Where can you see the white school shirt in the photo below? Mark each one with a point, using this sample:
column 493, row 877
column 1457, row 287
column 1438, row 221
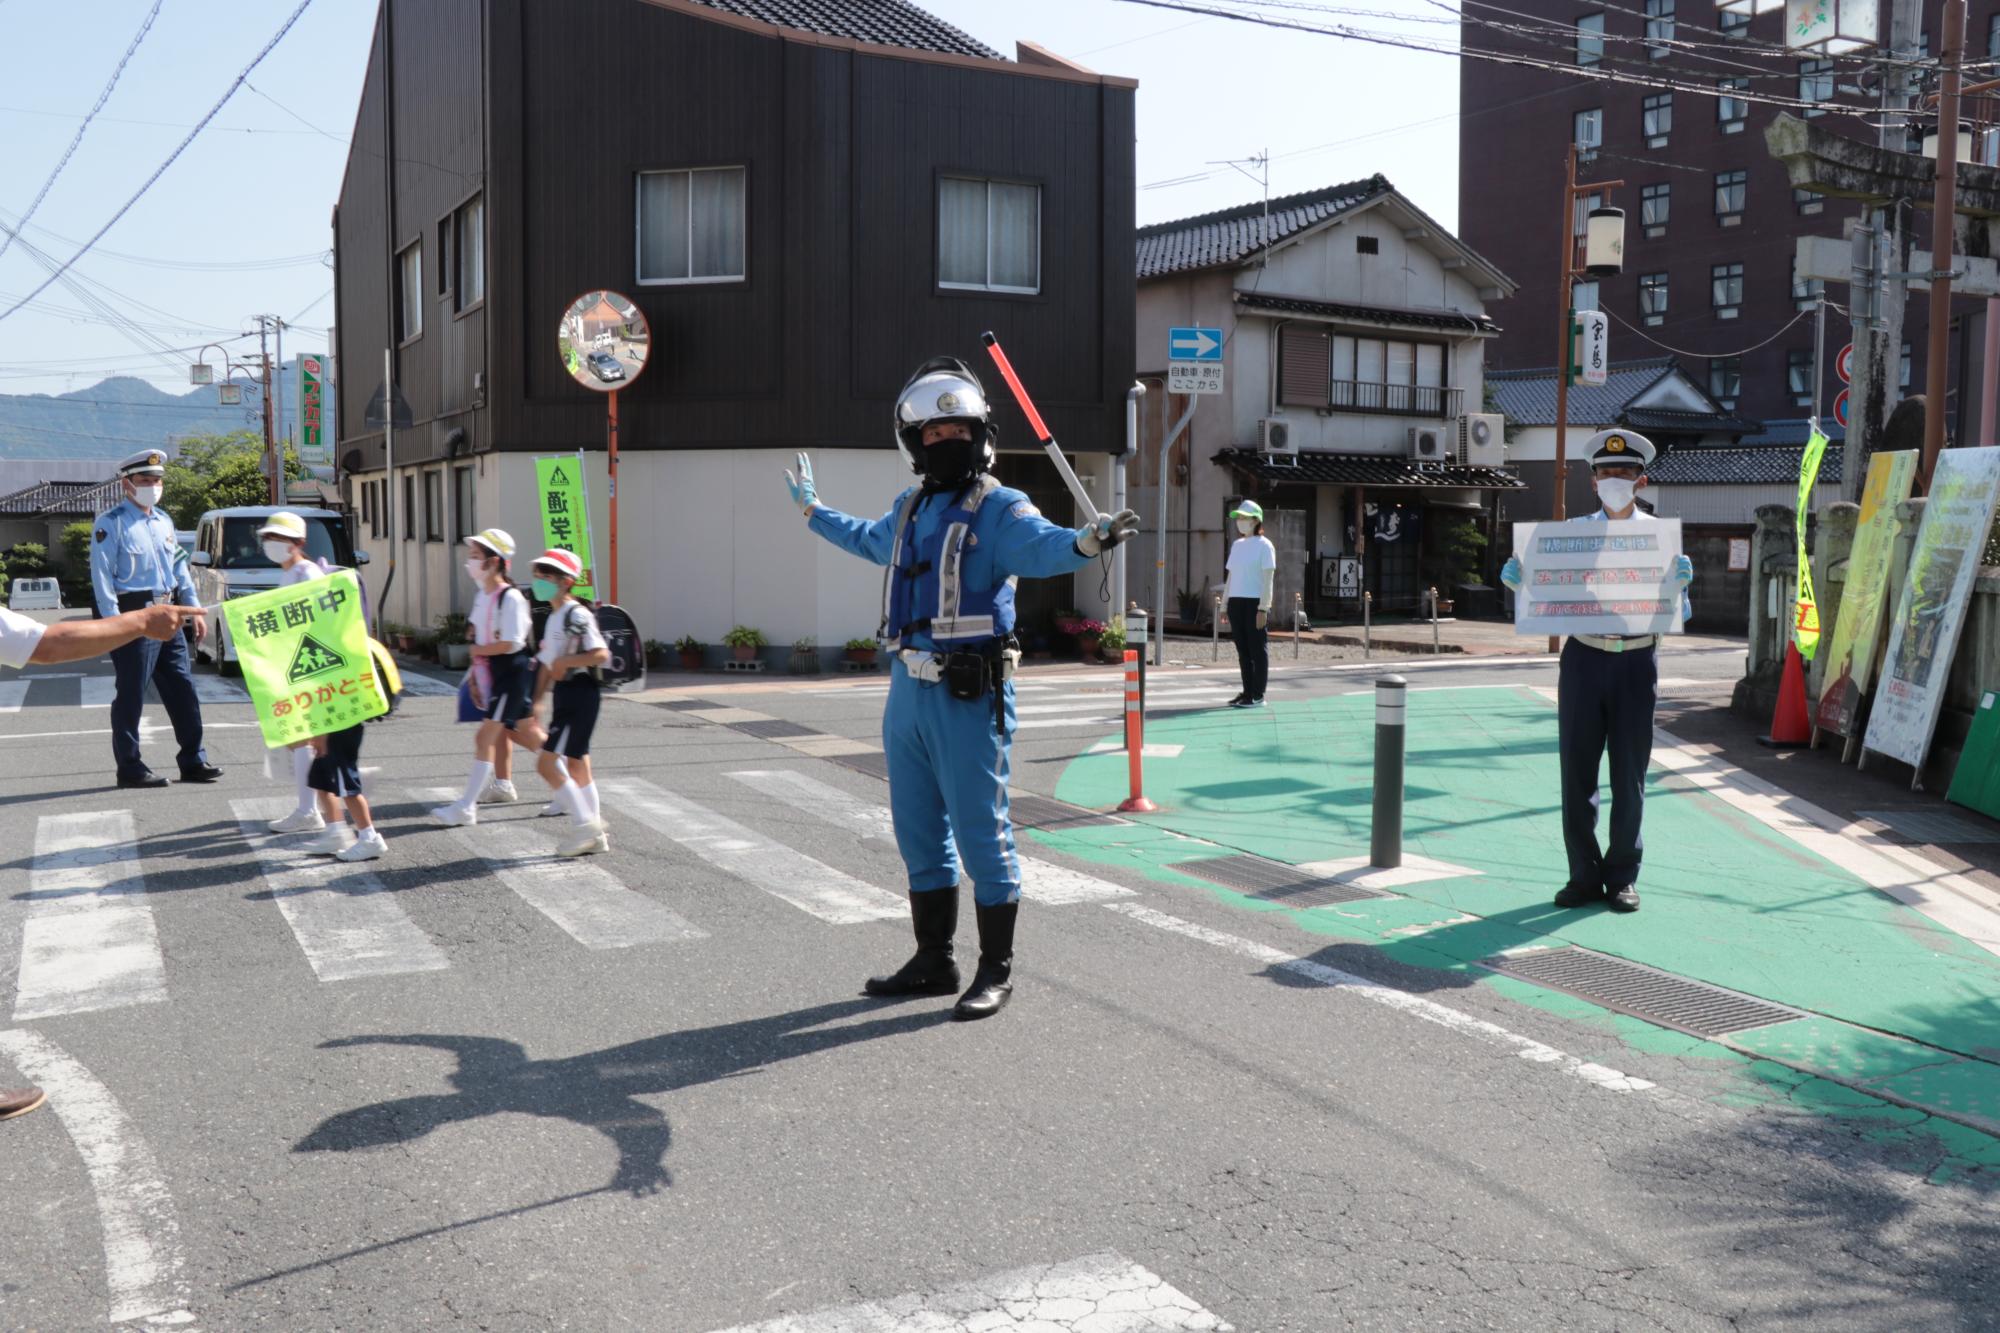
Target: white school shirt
column 306, row 568
column 509, row 622
column 1248, row 559
column 18, row 637
column 574, row 620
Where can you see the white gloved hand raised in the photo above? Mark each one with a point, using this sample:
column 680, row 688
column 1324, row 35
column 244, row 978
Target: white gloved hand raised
column 1107, row 532
column 801, row 486
column 1510, row 574
column 1683, row 570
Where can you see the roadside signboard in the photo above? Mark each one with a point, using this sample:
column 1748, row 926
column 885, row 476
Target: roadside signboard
column 1843, row 364
column 1593, row 347
column 313, row 448
column 565, row 508
column 1930, row 610
column 1840, row 408
column 1850, row 664
column 305, row 657
column 1598, row 576
column 1194, row 360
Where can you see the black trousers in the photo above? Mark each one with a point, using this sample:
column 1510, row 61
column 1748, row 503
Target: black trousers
column 1604, row 703
column 167, row 666
column 1253, row 652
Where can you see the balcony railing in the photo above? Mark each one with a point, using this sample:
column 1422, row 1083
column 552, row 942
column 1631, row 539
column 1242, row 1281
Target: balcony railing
column 1397, row 400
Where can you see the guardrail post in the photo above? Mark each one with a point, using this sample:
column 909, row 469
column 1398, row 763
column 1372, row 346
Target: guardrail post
column 1136, row 624
column 1367, row 637
column 1135, row 740
column 1298, row 618
column 1385, row 833
column 1215, row 632
column 1434, row 622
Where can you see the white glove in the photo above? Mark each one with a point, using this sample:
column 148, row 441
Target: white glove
column 1107, row 532
column 1683, row 570
column 801, row 486
column 1510, row 574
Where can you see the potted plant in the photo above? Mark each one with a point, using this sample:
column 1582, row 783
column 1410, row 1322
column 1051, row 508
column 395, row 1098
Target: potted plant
column 1188, row 602
column 861, row 651
column 1089, row 636
column 1112, row 642
column 691, row 652
column 427, row 646
column 453, row 639
column 657, row 654
column 405, row 637
column 744, row 642
column 805, row 657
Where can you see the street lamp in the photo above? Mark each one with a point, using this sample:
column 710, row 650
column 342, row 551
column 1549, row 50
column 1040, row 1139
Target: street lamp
column 1833, row 27
column 1604, row 242
column 1750, row 7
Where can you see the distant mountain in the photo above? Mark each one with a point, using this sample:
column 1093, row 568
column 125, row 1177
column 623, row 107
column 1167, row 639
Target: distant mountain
column 85, row 431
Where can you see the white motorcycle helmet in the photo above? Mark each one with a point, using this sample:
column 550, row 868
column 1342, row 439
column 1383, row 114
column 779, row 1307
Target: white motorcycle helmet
column 943, row 389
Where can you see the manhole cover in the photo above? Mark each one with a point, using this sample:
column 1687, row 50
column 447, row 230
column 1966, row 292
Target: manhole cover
column 772, row 728
column 1643, row 992
column 1935, row 827
column 686, row 705
column 1275, row 881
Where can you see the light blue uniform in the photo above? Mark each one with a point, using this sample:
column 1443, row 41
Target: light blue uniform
column 132, row 551
column 948, row 759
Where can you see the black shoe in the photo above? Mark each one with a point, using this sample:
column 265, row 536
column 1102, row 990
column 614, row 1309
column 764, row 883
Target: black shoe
column 1579, row 895
column 201, row 773
column 930, row 971
column 145, row 777
column 993, row 984
column 1238, row 701
column 1624, row 899
column 1257, row 702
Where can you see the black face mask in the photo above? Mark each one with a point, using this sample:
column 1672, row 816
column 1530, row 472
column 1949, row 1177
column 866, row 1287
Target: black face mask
column 950, row 463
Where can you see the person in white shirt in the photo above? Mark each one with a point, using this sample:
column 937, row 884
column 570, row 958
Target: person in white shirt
column 283, row 538
column 503, row 670
column 572, row 650
column 1253, row 574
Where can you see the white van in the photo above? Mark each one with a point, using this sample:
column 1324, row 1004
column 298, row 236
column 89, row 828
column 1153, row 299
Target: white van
column 228, row 561
column 35, row 595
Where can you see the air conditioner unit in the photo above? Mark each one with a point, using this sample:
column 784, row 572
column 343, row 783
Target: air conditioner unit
column 1427, row 445
column 1482, row 439
column 1275, row 437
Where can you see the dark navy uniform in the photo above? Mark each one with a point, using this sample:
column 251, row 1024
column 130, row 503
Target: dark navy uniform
column 136, row 561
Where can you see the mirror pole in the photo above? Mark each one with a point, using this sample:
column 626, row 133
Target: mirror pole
column 612, row 467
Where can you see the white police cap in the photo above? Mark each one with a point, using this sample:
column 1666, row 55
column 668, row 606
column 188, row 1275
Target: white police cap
column 1621, row 448
column 147, row 462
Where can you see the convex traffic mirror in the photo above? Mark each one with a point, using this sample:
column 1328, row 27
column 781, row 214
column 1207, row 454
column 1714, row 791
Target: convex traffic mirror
column 604, row 341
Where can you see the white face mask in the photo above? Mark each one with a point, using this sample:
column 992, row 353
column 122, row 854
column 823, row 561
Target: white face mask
column 476, row 571
column 277, row 552
column 1616, row 492
column 147, row 495
column 1246, row 526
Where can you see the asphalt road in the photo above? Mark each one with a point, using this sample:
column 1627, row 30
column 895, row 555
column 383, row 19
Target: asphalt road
column 470, row 1087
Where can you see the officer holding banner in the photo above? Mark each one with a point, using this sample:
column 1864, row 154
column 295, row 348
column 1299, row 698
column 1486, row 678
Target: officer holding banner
column 1604, row 702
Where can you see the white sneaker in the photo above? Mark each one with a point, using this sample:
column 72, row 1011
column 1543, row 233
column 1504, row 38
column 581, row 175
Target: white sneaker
column 333, row 842
column 499, row 792
column 553, row 810
column 456, row 815
column 366, row 848
column 586, row 840
column 299, row 821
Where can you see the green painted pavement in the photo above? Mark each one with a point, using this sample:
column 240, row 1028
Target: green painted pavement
column 1727, row 900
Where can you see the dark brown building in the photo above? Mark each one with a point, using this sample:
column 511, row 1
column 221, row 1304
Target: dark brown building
column 804, row 198
column 1711, row 220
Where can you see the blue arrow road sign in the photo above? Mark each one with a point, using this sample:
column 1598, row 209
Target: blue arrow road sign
column 1194, row 344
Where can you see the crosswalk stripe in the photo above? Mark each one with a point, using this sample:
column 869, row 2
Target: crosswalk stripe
column 1154, row 700
column 1042, row 881
column 771, row 866
column 345, row 919
column 89, row 942
column 586, row 900
column 13, row 693
column 99, row 691
column 1049, row 723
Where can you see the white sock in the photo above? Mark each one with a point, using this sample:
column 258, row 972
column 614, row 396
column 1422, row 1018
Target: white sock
column 571, row 799
column 302, row 762
column 596, row 808
column 481, row 771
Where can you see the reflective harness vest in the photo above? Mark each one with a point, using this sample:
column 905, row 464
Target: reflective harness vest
column 923, row 588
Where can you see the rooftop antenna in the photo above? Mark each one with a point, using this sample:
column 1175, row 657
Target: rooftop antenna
column 1261, row 160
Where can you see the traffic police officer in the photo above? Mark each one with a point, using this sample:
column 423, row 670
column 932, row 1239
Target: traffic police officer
column 953, row 547
column 1604, row 701
column 135, row 561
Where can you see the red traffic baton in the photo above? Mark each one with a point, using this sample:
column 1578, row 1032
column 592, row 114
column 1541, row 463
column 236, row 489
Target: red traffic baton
column 1035, row 423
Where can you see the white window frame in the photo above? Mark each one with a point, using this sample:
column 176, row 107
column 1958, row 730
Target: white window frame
column 1656, row 119
column 1733, row 185
column 1649, row 288
column 1588, row 121
column 410, row 293
column 1720, row 278
column 989, row 285
column 1657, row 227
column 469, row 220
column 639, row 229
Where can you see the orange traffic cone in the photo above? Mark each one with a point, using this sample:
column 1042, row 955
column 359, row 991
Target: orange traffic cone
column 1789, row 724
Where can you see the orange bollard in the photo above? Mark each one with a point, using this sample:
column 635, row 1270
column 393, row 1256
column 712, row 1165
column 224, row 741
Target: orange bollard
column 1135, row 740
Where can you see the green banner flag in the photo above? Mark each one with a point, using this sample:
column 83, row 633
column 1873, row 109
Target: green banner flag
column 565, row 506
column 1806, row 624
column 304, row 653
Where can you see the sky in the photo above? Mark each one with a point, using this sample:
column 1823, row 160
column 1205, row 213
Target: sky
column 239, row 224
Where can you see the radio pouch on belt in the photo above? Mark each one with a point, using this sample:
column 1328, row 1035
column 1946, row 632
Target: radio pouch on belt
column 966, row 676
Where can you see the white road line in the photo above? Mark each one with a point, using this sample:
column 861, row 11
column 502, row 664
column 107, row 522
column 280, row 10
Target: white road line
column 215, row 690
column 1428, row 1010
column 1151, row 749
column 771, row 866
column 1099, row 1293
column 1155, row 700
column 143, row 1267
column 1053, row 723
column 1041, row 881
column 13, row 693
column 99, row 691
column 583, row 898
column 89, row 942
column 345, row 919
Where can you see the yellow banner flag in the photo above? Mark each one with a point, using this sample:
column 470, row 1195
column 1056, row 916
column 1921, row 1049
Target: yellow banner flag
column 305, row 656
column 1806, row 625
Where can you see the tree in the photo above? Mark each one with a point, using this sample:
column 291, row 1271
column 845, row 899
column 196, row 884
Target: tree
column 219, row 472
column 28, row 560
column 76, row 546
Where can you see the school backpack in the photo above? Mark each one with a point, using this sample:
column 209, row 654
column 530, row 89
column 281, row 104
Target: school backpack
column 627, row 668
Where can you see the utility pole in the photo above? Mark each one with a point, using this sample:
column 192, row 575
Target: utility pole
column 1943, row 217
column 278, row 411
column 270, row 443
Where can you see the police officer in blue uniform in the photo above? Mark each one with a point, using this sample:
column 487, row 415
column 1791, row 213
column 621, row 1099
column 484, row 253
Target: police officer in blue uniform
column 954, row 546
column 135, row 561
column 1604, row 702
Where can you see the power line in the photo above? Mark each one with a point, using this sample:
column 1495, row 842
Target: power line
column 102, row 98
column 1708, row 356
column 171, row 159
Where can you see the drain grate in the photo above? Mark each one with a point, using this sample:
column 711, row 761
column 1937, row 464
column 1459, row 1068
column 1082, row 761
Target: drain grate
column 1275, row 881
column 1643, row 992
column 687, row 705
column 772, row 728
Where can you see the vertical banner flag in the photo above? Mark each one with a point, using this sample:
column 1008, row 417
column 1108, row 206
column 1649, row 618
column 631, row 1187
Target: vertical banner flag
column 1806, row 623
column 1850, row 665
column 1923, row 636
column 305, row 657
column 313, row 451
column 565, row 506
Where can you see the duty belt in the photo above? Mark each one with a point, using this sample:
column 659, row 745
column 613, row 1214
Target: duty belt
column 923, row 666
column 1631, row 644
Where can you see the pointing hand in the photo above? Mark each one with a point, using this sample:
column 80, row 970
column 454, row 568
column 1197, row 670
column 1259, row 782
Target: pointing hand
column 801, row 486
column 163, row 622
column 1510, row 573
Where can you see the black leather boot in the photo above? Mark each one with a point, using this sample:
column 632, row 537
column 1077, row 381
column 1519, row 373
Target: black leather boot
column 930, row 971
column 993, row 983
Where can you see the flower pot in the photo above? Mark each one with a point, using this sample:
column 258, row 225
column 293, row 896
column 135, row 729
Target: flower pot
column 457, row 656
column 864, row 656
column 691, row 661
column 745, row 652
column 406, row 643
column 805, row 662
column 1086, row 647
